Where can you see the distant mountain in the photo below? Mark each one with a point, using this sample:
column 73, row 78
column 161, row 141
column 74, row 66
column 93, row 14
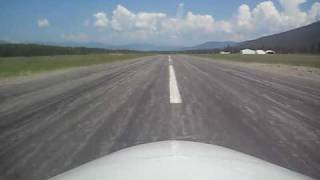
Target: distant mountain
column 212, row 45
column 72, row 44
column 301, row 40
column 134, row 47
column 140, row 46
column 146, row 47
column 3, row 42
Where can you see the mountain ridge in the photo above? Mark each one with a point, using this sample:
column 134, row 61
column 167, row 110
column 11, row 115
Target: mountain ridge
column 212, row 45
column 304, row 39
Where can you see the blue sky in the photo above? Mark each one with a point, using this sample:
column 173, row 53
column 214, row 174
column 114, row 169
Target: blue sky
column 163, row 22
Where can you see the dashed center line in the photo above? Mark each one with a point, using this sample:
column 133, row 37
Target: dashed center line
column 175, row 97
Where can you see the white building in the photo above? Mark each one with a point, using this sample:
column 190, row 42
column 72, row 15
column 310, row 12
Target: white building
column 270, row 52
column 248, row 51
column 260, row 52
column 225, row 52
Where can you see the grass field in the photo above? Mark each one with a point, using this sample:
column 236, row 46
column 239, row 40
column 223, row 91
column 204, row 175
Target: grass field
column 18, row 66
column 288, row 59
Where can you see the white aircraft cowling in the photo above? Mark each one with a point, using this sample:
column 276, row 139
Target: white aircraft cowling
column 178, row 160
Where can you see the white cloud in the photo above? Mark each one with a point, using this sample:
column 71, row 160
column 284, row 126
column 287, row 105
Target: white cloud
column 293, row 13
column 122, row 19
column 101, row 20
column 314, row 13
column 265, row 18
column 224, row 26
column 190, row 28
column 150, row 21
column 43, row 23
column 244, row 18
column 153, row 26
column 199, row 22
column 291, row 7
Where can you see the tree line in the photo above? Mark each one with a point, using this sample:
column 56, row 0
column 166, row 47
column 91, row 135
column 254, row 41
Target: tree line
column 12, row 50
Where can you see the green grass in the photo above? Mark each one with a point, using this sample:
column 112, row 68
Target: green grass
column 287, row 59
column 18, row 66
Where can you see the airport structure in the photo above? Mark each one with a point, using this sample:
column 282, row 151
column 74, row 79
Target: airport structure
column 260, row 52
column 225, row 52
column 248, row 51
column 270, row 52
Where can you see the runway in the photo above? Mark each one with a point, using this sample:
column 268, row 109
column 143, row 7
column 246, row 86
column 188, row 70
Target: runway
column 52, row 124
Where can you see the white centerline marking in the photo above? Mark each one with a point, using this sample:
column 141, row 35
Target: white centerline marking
column 170, row 60
column 175, row 97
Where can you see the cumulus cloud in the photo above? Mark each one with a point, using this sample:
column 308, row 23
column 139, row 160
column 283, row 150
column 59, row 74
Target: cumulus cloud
column 101, row 20
column 314, row 13
column 244, row 18
column 43, row 23
column 247, row 22
column 291, row 7
column 122, row 19
column 155, row 25
column 265, row 18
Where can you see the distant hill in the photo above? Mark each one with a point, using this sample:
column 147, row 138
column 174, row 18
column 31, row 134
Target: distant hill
column 75, row 44
column 12, row 50
column 212, row 45
column 133, row 46
column 301, row 40
column 145, row 47
column 3, row 42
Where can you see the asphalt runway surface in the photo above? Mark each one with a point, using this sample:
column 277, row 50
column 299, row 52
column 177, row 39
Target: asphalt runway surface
column 52, row 124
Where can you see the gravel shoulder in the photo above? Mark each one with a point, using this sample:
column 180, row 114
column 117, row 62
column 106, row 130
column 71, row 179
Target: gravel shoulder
column 308, row 73
column 297, row 71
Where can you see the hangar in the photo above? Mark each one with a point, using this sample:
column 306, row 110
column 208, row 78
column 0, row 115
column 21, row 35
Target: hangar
column 248, row 51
